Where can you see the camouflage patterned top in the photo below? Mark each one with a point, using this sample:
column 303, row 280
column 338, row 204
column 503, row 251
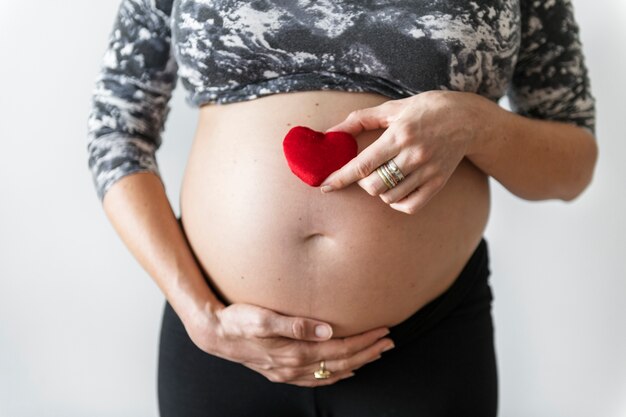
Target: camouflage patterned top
column 231, row 50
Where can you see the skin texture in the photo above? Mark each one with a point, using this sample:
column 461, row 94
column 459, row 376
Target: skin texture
column 284, row 347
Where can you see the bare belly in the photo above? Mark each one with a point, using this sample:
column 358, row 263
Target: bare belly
column 264, row 237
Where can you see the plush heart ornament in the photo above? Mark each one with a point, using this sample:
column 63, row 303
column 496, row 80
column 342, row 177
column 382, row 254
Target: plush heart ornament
column 313, row 155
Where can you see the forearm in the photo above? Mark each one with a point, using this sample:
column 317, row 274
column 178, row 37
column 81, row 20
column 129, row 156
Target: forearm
column 139, row 210
column 534, row 159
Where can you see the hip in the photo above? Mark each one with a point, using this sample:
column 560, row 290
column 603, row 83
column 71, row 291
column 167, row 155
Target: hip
column 444, row 364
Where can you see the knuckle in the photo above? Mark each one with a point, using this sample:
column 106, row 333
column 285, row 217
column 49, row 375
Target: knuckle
column 258, row 325
column 274, row 377
column 298, row 328
column 355, row 114
column 259, row 331
column 362, row 169
column 403, row 134
column 344, row 350
column 300, row 358
column 369, row 185
column 295, row 360
column 433, row 169
column 342, row 364
column 417, row 155
column 290, row 374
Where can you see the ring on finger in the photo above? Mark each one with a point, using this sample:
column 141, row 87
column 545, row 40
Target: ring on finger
column 386, row 177
column 322, row 373
column 390, row 174
column 395, row 170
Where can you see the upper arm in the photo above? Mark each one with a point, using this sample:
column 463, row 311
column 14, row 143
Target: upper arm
column 550, row 79
column 130, row 100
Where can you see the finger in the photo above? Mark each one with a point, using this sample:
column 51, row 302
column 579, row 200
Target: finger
column 298, row 328
column 362, row 165
column 374, row 184
column 308, row 380
column 408, row 162
column 418, row 198
column 400, row 191
column 257, row 322
column 371, row 118
column 342, row 347
column 297, row 356
column 341, row 368
column 353, row 362
column 409, row 184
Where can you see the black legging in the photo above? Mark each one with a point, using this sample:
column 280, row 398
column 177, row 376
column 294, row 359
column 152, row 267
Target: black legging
column 444, row 364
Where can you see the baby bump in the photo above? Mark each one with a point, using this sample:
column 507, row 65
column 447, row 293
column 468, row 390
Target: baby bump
column 262, row 236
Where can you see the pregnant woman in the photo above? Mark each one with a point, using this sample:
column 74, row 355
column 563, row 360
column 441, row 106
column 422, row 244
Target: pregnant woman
column 281, row 297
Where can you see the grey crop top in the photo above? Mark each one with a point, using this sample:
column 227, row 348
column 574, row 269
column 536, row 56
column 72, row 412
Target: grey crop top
column 226, row 51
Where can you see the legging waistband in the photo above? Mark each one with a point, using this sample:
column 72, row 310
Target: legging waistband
column 475, row 272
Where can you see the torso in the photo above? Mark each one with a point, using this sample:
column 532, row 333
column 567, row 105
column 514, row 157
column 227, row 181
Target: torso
column 261, row 235
column 264, row 237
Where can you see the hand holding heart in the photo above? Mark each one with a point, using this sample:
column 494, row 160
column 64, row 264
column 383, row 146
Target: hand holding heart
column 312, row 155
column 427, row 135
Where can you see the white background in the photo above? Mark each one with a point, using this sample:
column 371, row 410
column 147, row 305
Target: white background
column 79, row 318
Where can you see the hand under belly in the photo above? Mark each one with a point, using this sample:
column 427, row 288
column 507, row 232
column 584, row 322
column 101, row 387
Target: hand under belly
column 264, row 237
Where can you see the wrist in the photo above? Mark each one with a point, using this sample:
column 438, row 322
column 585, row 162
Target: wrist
column 202, row 324
column 203, row 318
column 194, row 302
column 485, row 122
column 198, row 313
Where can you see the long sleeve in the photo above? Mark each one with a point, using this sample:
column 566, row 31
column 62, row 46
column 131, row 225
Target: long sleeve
column 550, row 79
column 132, row 92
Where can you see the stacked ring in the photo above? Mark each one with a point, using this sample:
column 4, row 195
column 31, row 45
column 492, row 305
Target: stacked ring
column 390, row 174
column 395, row 171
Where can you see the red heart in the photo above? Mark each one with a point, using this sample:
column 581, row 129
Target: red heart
column 313, row 155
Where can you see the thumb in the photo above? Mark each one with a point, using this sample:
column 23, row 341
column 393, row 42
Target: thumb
column 301, row 328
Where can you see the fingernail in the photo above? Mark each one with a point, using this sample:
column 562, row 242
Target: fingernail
column 389, row 347
column 326, row 188
column 322, row 331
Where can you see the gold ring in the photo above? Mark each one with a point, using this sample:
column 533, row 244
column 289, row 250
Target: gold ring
column 386, row 177
column 387, row 171
column 322, row 373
